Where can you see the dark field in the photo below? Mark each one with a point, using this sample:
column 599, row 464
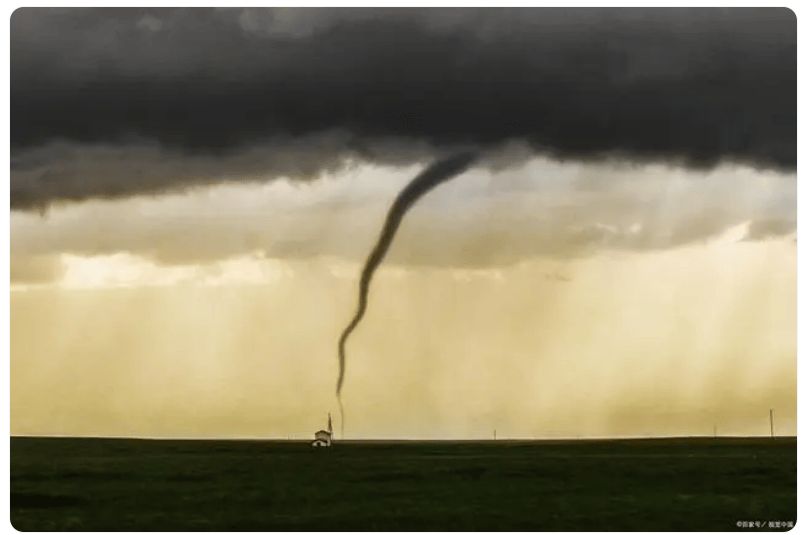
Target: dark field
column 661, row 484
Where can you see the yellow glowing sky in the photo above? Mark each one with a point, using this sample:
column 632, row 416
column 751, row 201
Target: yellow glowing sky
column 546, row 300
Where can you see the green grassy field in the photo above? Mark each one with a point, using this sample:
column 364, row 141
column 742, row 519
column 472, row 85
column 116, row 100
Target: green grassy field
column 660, row 484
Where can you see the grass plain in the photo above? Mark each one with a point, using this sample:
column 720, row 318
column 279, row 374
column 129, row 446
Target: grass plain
column 89, row 484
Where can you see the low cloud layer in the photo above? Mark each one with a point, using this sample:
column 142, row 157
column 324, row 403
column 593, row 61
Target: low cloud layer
column 485, row 219
column 113, row 103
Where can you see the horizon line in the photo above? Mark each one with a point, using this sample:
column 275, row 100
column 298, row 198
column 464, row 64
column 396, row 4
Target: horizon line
column 396, row 439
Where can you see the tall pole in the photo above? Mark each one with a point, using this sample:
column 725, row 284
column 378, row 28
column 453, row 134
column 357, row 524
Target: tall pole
column 771, row 421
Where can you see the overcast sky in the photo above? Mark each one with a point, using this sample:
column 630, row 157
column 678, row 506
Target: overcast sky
column 181, row 177
column 175, row 97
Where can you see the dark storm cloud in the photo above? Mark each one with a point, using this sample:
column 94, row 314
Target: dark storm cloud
column 694, row 86
column 66, row 171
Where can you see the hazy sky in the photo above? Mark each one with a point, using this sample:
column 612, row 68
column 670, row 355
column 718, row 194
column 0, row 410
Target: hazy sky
column 194, row 192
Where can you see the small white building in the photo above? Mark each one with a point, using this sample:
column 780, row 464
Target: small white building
column 323, row 438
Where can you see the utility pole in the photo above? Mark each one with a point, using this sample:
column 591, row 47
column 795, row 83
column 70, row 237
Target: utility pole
column 771, row 421
column 714, row 432
column 494, row 434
